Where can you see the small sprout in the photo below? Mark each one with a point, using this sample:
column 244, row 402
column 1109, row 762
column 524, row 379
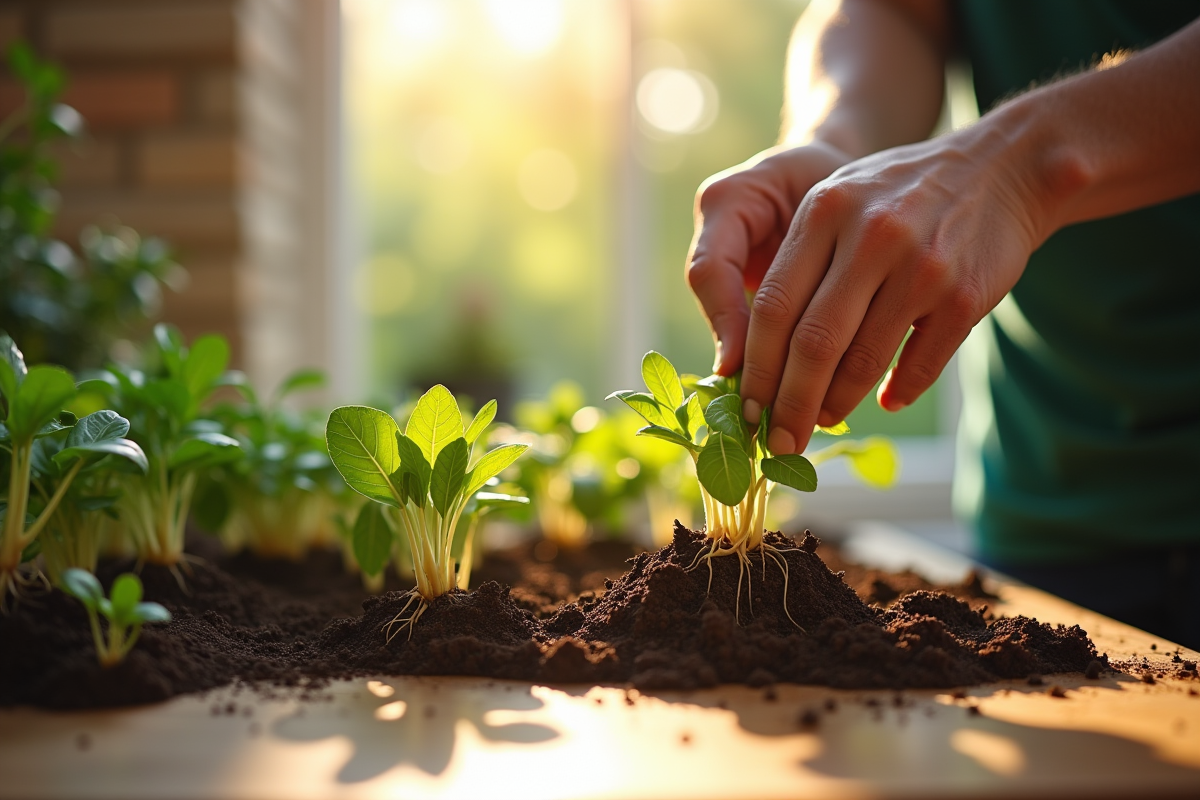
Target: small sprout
column 123, row 610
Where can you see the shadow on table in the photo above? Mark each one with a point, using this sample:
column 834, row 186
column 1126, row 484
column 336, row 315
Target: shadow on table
column 411, row 721
column 930, row 738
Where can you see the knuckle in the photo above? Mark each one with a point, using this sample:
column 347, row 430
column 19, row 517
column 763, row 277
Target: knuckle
column 714, row 190
column 788, row 408
column 756, row 374
column 922, row 374
column 772, row 305
column 864, row 362
column 964, row 304
column 825, row 201
column 815, row 342
column 888, row 226
column 699, row 272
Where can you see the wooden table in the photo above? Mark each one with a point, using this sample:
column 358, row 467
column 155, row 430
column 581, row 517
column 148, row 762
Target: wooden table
column 465, row 737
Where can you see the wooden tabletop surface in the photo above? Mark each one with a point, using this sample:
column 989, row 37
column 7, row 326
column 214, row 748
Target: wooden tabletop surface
column 468, row 737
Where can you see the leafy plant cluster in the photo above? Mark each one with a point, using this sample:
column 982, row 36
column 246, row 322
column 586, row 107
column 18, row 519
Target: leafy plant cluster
column 65, row 307
column 424, row 480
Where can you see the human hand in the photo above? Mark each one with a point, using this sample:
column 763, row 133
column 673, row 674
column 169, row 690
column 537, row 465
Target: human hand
column 742, row 215
column 928, row 236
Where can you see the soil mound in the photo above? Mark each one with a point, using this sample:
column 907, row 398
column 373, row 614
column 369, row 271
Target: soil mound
column 674, row 620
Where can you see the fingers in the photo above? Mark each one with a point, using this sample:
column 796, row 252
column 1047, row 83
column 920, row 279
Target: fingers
column 869, row 354
column 732, row 226
column 821, row 337
column 933, row 342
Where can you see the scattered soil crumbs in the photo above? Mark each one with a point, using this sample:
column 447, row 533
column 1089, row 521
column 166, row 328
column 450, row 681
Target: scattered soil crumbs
column 670, row 622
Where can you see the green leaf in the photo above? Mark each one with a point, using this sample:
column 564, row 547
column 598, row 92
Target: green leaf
column 413, row 462
column 170, row 396
column 413, row 489
column 695, row 415
column 659, row 432
column 495, row 501
column 492, row 464
column 724, row 415
column 83, row 586
column 171, row 346
column 724, row 469
column 12, row 367
column 764, row 430
column 38, row 400
column 435, row 422
column 150, row 612
column 105, row 424
column 449, row 474
column 372, row 539
column 362, row 445
column 204, row 449
column 481, row 422
column 662, row 380
column 840, row 429
column 648, row 408
column 875, row 461
column 100, row 434
column 791, row 470
column 712, row 387
column 205, row 362
column 125, row 595
column 299, row 381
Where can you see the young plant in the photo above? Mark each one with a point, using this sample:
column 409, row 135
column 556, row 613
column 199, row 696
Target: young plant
column 735, row 467
column 277, row 499
column 423, row 477
column 48, row 448
column 164, row 413
column 96, row 453
column 123, row 610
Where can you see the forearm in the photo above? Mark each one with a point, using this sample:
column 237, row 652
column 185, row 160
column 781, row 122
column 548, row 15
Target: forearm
column 1111, row 140
column 865, row 75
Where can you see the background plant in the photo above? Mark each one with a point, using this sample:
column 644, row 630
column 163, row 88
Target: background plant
column 64, row 307
column 424, row 478
column 47, row 450
column 165, row 413
column 282, row 496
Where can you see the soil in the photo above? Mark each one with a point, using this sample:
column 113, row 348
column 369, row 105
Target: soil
column 668, row 622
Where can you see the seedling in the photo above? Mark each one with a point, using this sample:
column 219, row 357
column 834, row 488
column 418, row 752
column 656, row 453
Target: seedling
column 48, row 448
column 164, row 412
column 123, row 610
column 735, row 468
column 276, row 500
column 423, row 477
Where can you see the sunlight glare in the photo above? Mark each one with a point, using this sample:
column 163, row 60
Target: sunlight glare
column 547, row 180
column 529, row 27
column 677, row 101
column 420, row 22
column 443, row 146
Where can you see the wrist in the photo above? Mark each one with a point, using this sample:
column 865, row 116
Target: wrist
column 1033, row 158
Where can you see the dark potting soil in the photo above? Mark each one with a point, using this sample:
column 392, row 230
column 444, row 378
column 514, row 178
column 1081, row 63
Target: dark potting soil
column 664, row 623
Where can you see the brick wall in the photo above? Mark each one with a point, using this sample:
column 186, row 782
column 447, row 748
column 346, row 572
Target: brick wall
column 200, row 129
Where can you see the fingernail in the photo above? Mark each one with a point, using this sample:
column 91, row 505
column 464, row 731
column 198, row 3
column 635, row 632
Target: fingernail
column 752, row 411
column 781, row 442
column 719, row 358
column 886, row 402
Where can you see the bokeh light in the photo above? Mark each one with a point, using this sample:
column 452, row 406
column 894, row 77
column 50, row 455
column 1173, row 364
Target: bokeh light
column 677, row 101
column 547, row 180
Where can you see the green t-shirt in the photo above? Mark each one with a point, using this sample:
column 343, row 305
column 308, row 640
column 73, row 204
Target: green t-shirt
column 1080, row 431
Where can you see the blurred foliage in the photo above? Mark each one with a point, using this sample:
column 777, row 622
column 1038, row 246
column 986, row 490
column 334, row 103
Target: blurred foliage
column 464, row 119
column 64, row 307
